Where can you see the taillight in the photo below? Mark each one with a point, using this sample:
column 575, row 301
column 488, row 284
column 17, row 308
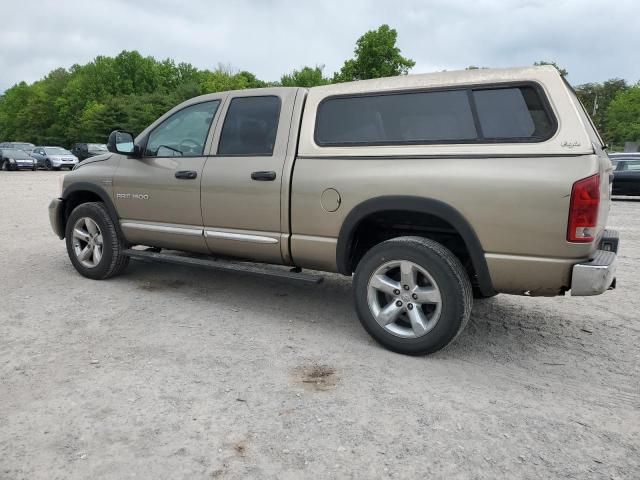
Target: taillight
column 583, row 212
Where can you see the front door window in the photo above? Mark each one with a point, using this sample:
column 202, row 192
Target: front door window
column 184, row 133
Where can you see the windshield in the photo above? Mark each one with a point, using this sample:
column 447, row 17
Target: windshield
column 14, row 153
column 56, row 151
column 97, row 146
column 23, row 146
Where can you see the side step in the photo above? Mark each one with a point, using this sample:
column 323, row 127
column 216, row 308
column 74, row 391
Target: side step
column 224, row 265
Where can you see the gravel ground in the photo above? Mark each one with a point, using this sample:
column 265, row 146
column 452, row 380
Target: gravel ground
column 171, row 372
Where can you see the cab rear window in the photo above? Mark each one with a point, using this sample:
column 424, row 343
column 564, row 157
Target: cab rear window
column 514, row 113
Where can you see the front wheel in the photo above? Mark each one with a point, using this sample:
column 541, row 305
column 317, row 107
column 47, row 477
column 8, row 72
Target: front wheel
column 47, row 165
column 412, row 295
column 8, row 167
column 93, row 243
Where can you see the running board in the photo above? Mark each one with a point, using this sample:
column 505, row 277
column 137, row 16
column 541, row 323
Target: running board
column 224, row 265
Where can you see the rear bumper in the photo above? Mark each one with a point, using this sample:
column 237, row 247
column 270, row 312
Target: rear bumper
column 56, row 210
column 599, row 274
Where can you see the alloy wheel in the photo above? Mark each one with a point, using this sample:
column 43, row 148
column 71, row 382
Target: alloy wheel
column 87, row 242
column 404, row 299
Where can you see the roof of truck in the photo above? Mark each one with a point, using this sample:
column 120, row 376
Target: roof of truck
column 441, row 79
column 571, row 135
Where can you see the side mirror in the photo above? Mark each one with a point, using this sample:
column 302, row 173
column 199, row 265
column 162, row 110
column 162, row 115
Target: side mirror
column 122, row 142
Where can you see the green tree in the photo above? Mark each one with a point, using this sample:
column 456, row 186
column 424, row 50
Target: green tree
column 562, row 71
column 623, row 116
column 87, row 101
column 376, row 55
column 12, row 106
column 305, row 77
column 596, row 98
column 224, row 78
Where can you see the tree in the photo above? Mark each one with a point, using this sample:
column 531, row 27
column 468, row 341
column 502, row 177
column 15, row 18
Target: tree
column 563, row 72
column 87, row 101
column 305, row 77
column 623, row 116
column 225, row 78
column 376, row 55
column 596, row 98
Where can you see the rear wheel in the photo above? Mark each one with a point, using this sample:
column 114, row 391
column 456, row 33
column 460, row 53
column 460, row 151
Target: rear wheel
column 93, row 243
column 5, row 166
column 412, row 295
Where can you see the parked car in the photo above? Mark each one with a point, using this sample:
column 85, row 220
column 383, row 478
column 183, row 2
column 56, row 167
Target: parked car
column 88, row 150
column 54, row 158
column 15, row 159
column 27, row 147
column 626, row 176
column 424, row 187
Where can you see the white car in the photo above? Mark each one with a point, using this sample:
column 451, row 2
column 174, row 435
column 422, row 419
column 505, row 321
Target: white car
column 54, row 158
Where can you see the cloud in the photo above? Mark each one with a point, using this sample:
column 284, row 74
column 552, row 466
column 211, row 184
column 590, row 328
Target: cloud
column 593, row 40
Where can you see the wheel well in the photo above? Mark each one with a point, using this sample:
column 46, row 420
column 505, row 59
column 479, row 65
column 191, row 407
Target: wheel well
column 77, row 198
column 380, row 226
column 385, row 225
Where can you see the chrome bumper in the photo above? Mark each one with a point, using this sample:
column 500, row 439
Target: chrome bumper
column 599, row 274
column 56, row 209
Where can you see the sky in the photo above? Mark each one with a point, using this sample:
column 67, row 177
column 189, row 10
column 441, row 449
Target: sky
column 593, row 39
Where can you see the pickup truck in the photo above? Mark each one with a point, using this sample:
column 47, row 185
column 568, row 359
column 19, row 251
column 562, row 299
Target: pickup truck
column 428, row 189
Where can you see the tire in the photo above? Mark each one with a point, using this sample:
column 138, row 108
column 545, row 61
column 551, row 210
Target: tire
column 34, row 168
column 47, row 165
column 441, row 315
column 111, row 262
column 478, row 295
column 7, row 167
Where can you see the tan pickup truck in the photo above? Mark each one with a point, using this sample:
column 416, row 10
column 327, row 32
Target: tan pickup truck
column 427, row 188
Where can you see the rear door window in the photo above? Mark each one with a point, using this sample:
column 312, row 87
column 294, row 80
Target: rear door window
column 250, row 127
column 512, row 113
column 632, row 166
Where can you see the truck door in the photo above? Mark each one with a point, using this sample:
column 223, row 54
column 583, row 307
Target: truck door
column 158, row 196
column 242, row 182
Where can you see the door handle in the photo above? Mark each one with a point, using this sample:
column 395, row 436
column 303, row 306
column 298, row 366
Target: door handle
column 263, row 176
column 186, row 174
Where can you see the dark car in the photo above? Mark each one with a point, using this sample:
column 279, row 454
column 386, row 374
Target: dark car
column 25, row 146
column 86, row 150
column 15, row 159
column 626, row 174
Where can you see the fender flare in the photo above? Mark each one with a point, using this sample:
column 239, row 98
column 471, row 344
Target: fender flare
column 413, row 204
column 100, row 192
